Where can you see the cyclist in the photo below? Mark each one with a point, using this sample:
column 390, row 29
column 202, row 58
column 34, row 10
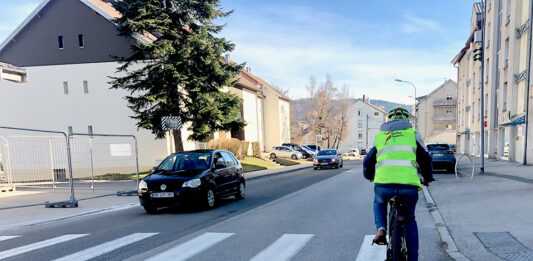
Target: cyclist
column 392, row 165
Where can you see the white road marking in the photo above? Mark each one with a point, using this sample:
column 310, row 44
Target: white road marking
column 107, row 247
column 41, row 244
column 369, row 252
column 2, row 238
column 284, row 248
column 192, row 247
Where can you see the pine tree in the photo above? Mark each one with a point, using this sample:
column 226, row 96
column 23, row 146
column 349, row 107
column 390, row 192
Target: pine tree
column 180, row 73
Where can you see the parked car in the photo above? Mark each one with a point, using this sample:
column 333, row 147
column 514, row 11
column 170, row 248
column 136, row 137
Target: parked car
column 197, row 177
column 354, row 152
column 328, row 158
column 442, row 156
column 452, row 146
column 362, row 152
column 305, row 153
column 314, row 148
column 285, row 152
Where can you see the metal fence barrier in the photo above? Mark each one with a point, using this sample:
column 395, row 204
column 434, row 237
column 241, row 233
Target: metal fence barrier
column 104, row 164
column 48, row 167
column 36, row 168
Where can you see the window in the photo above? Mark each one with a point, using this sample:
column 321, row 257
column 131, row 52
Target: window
column 219, row 161
column 360, row 135
column 359, row 112
column 65, row 87
column 70, row 130
column 486, row 108
column 504, row 103
column 376, row 113
column 60, row 41
column 169, row 163
column 487, row 71
column 508, row 11
column 85, row 87
column 360, row 124
column 80, row 40
column 90, row 129
column 506, row 59
column 228, row 159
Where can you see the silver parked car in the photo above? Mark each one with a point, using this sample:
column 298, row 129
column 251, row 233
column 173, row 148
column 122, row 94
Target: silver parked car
column 285, row 152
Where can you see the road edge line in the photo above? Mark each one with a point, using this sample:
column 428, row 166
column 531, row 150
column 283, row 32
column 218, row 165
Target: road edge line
column 445, row 236
column 51, row 220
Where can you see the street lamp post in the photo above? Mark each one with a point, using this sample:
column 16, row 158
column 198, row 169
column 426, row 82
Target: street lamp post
column 416, row 109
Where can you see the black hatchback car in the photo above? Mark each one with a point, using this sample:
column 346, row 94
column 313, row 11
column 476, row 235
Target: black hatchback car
column 328, row 158
column 194, row 178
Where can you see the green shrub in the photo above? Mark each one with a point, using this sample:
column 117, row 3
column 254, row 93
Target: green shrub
column 256, row 149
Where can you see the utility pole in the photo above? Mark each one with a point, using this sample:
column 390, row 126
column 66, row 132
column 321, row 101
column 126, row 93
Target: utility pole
column 482, row 105
column 524, row 161
column 366, row 136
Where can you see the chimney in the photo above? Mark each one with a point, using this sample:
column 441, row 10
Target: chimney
column 248, row 69
column 227, row 58
column 364, row 98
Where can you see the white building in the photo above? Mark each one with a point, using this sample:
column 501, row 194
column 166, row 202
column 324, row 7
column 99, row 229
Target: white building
column 363, row 125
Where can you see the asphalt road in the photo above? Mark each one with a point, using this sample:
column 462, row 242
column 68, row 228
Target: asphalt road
column 303, row 215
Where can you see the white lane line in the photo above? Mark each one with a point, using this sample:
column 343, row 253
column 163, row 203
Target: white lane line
column 41, row 244
column 2, row 238
column 192, row 247
column 284, row 248
column 107, row 247
column 369, row 252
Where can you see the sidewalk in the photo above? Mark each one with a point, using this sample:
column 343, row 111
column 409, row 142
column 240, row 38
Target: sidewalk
column 26, row 216
column 497, row 201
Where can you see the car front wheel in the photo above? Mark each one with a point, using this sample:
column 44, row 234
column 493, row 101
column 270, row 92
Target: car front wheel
column 210, row 198
column 294, row 157
column 273, row 155
column 150, row 209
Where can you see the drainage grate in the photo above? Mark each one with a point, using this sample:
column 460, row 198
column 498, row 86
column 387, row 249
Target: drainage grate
column 505, row 246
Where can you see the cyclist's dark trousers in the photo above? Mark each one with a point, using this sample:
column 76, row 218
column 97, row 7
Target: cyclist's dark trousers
column 410, row 197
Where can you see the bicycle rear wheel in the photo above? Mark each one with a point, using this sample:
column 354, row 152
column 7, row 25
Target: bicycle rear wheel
column 396, row 240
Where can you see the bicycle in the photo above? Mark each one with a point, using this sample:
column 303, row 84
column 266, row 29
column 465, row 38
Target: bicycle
column 397, row 247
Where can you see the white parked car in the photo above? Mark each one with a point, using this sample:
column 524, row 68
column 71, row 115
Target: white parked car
column 285, row 152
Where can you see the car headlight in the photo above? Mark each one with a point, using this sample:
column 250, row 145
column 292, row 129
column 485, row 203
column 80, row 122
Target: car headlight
column 315, row 161
column 143, row 185
column 333, row 160
column 193, row 183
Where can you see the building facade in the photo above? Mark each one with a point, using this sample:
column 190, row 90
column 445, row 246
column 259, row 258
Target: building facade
column 363, row 125
column 437, row 114
column 505, row 78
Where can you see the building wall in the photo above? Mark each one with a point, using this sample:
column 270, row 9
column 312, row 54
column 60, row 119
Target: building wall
column 41, row 103
column 362, row 130
column 438, row 111
column 37, row 43
column 250, row 116
column 505, row 59
column 272, row 123
column 284, row 121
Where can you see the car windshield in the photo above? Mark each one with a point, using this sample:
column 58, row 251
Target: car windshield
column 186, row 161
column 327, row 152
column 437, row 147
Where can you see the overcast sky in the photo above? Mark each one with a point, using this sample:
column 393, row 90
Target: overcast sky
column 362, row 44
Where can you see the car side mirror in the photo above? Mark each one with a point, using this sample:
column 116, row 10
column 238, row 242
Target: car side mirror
column 219, row 166
column 154, row 168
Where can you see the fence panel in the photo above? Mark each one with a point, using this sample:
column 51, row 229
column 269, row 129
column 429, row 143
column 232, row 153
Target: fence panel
column 34, row 168
column 104, row 164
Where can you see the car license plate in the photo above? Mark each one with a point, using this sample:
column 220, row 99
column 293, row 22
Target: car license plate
column 438, row 154
column 324, row 163
column 163, row 195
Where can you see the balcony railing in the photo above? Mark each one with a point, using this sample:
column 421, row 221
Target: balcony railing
column 445, row 103
column 444, row 118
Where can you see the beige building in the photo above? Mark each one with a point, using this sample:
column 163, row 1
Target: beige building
column 505, row 82
column 437, row 114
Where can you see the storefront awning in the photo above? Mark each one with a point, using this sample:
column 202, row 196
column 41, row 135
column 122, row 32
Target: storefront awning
column 466, row 132
column 516, row 121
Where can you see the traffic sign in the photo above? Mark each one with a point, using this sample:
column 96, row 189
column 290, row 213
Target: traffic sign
column 171, row 123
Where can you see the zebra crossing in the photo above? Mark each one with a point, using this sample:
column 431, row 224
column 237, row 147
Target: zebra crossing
column 284, row 248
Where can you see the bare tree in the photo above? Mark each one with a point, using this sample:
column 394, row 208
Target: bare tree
column 343, row 103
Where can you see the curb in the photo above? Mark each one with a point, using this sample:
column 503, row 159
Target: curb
column 444, row 233
column 277, row 173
